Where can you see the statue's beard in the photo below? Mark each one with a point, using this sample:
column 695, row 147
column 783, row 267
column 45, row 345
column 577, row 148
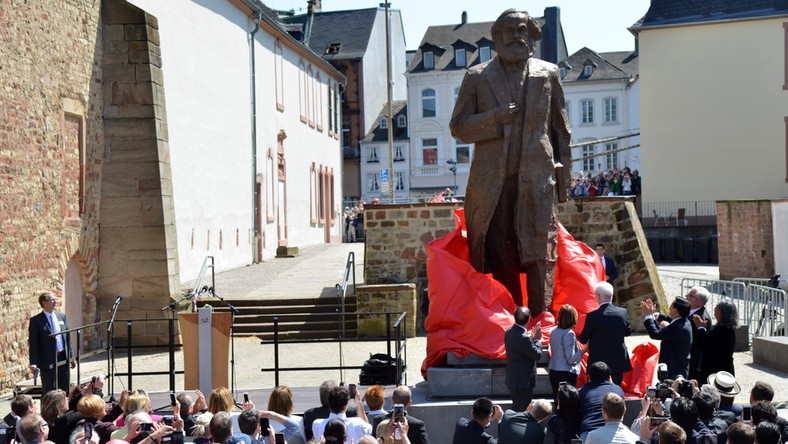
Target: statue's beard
column 516, row 51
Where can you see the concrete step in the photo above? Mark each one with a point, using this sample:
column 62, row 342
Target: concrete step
column 298, row 334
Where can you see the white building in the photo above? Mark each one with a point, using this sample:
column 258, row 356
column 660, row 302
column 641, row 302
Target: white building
column 253, row 168
column 434, row 76
column 375, row 156
column 603, row 101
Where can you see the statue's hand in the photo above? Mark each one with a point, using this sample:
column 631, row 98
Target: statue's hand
column 505, row 113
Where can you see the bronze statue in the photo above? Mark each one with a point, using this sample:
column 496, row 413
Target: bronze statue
column 513, row 109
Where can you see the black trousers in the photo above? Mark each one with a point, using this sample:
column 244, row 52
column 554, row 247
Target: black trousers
column 48, row 376
column 557, row 377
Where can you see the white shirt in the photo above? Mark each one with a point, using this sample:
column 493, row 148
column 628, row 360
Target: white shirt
column 356, row 427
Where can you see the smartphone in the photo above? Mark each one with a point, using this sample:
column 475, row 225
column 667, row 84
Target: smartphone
column 576, row 441
column 246, row 398
column 353, row 390
column 167, row 420
column 562, row 383
column 746, row 413
column 88, row 431
column 657, row 420
column 663, row 393
column 172, row 399
column 264, row 426
column 399, row 412
column 280, row 438
column 651, row 392
column 146, row 427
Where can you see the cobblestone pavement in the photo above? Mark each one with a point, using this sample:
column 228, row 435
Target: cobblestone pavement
column 319, row 268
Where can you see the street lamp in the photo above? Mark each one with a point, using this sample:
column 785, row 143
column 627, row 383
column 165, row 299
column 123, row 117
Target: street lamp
column 453, row 170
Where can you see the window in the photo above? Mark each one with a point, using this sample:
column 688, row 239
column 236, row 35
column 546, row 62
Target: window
column 463, row 154
column 279, row 76
column 373, row 155
column 333, row 48
column 612, row 158
column 428, row 103
column 429, row 61
column 587, row 112
column 569, row 113
column 345, row 133
column 611, row 110
column 373, row 184
column 459, row 57
column 588, row 162
column 588, row 70
column 484, row 53
column 429, row 151
column 336, row 108
column 331, row 126
column 384, row 122
column 399, row 153
column 402, row 121
column 310, row 101
column 399, row 181
column 562, row 71
column 303, row 91
column 319, row 101
column 456, row 94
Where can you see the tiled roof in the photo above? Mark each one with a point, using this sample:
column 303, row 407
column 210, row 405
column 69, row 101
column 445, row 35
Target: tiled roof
column 350, row 29
column 378, row 134
column 617, row 66
column 673, row 12
column 626, row 61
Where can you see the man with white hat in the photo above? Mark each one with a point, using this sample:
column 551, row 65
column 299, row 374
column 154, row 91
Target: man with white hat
column 726, row 384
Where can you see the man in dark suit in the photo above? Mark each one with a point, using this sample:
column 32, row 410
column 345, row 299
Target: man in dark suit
column 697, row 297
column 522, row 427
column 322, row 411
column 592, row 395
column 417, row 433
column 604, row 332
column 471, row 431
column 522, row 353
column 676, row 337
column 43, row 346
column 611, row 273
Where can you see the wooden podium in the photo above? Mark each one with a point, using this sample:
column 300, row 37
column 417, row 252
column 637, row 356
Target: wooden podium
column 206, row 341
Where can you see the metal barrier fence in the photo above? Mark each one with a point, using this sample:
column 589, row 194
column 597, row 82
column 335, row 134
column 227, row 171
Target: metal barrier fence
column 760, row 308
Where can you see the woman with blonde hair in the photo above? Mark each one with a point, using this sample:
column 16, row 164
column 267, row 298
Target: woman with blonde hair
column 281, row 401
column 92, row 407
column 201, row 429
column 564, row 353
column 221, row 400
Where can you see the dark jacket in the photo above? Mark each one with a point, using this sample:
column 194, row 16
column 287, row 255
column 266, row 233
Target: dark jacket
column 417, row 433
column 468, row 431
column 717, row 354
column 42, row 346
column 610, row 270
column 674, row 351
column 604, row 332
column 522, row 353
column 697, row 345
column 520, row 427
column 591, row 395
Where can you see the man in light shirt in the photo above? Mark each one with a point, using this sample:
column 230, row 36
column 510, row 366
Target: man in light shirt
column 338, row 400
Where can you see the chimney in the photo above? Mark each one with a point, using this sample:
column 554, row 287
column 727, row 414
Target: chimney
column 314, row 6
column 464, row 19
column 551, row 36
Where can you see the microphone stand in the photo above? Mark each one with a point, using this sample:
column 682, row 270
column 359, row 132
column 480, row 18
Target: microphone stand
column 111, row 345
column 233, row 311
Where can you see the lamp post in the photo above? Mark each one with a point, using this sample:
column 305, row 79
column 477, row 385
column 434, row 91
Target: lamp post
column 453, row 170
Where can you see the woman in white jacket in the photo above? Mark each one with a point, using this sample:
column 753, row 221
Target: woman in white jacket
column 564, row 353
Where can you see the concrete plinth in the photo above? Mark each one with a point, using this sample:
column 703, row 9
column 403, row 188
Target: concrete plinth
column 771, row 352
column 467, row 382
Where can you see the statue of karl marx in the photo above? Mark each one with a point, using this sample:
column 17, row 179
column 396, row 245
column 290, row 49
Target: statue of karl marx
column 512, row 108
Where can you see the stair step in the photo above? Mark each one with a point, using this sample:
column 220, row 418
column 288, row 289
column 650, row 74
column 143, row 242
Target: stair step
column 298, row 334
column 291, row 326
column 238, row 303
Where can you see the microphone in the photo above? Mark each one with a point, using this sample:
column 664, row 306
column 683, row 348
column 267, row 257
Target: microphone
column 118, row 299
column 204, row 289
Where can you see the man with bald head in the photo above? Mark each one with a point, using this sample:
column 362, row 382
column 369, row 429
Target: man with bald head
column 512, row 108
column 417, row 432
column 523, row 351
column 698, row 297
column 604, row 332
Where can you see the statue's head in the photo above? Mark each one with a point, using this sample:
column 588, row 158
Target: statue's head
column 515, row 34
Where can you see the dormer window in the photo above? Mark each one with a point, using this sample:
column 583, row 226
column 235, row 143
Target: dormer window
column 429, row 60
column 588, row 70
column 459, row 57
column 562, row 71
column 384, row 122
column 333, row 48
column 484, row 53
column 402, row 121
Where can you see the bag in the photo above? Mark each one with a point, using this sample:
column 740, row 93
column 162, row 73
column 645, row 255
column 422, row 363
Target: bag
column 380, row 369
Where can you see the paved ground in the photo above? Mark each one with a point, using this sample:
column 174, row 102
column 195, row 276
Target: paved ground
column 316, row 270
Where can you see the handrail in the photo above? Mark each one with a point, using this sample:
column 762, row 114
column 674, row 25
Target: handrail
column 400, row 339
column 341, row 294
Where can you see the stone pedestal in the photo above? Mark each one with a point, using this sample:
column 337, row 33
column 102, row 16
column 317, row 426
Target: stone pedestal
column 377, row 299
column 771, row 352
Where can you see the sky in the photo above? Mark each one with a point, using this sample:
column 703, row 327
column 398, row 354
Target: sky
column 600, row 25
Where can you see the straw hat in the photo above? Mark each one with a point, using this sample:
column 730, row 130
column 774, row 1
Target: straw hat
column 725, row 383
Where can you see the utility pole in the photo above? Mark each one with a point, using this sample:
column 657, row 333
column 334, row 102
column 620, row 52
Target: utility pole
column 389, row 117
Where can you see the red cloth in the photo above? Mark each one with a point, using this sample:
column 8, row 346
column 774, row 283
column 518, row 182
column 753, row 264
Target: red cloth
column 469, row 311
column 645, row 358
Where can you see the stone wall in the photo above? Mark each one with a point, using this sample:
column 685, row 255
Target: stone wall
column 746, row 242
column 396, row 236
column 51, row 147
column 385, row 298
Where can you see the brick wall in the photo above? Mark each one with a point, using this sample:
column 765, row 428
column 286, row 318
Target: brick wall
column 51, row 145
column 396, row 236
column 746, row 242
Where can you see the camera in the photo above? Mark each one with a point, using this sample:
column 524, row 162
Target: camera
column 662, row 391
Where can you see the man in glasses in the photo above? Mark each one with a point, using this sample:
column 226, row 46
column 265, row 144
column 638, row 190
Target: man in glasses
column 47, row 350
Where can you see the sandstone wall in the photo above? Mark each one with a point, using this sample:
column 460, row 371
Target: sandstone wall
column 746, row 242
column 396, row 236
column 51, row 147
column 385, row 298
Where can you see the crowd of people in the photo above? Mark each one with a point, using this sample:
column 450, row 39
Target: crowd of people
column 615, row 182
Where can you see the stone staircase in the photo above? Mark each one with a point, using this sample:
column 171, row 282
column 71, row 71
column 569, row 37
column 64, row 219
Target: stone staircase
column 300, row 318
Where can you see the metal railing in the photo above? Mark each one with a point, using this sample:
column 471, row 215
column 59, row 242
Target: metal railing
column 670, row 210
column 396, row 338
column 760, row 307
column 350, row 271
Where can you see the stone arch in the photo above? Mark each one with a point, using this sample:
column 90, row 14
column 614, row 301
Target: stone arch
column 78, row 273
